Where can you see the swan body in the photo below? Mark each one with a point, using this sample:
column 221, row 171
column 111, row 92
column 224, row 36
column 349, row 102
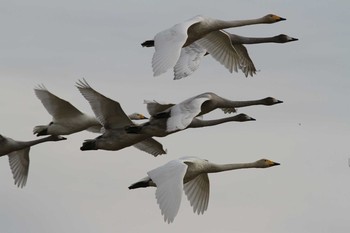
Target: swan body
column 169, row 118
column 168, row 43
column 18, row 153
column 113, row 119
column 188, row 174
column 66, row 119
column 226, row 48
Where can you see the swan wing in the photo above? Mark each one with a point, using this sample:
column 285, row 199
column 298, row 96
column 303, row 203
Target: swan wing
column 218, row 44
column 107, row 111
column 183, row 113
column 154, row 107
column 57, row 107
column 189, row 61
column 168, row 44
column 169, row 181
column 151, row 146
column 245, row 62
column 19, row 164
column 197, row 192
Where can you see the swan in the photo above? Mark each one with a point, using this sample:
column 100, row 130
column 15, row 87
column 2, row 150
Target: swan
column 168, row 43
column 67, row 119
column 159, row 126
column 226, row 48
column 111, row 115
column 191, row 175
column 170, row 118
column 18, row 153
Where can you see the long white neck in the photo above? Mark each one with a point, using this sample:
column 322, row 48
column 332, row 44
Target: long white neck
column 222, row 24
column 197, row 123
column 235, row 39
column 245, row 103
column 213, row 168
column 37, row 141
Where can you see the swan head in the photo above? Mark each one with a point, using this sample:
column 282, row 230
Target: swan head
column 244, row 117
column 265, row 163
column 282, row 38
column 271, row 18
column 271, row 101
column 137, row 116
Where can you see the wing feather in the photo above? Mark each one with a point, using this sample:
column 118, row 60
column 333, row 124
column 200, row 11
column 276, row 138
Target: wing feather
column 19, row 164
column 189, row 61
column 168, row 44
column 107, row 111
column 183, row 113
column 151, row 146
column 169, row 181
column 57, row 107
column 197, row 192
column 218, row 45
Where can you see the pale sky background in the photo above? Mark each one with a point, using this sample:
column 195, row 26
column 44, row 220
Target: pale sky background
column 55, row 43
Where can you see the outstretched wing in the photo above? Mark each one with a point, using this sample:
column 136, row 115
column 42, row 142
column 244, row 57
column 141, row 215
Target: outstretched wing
column 245, row 62
column 169, row 181
column 218, row 45
column 19, row 164
column 57, row 107
column 189, row 61
column 183, row 113
column 151, row 146
column 168, row 44
column 197, row 192
column 107, row 111
column 154, row 107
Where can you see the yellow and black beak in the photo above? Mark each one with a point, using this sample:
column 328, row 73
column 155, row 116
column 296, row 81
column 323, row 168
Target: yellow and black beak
column 272, row 163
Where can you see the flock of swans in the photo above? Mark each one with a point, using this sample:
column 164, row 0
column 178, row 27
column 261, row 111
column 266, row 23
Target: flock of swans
column 180, row 47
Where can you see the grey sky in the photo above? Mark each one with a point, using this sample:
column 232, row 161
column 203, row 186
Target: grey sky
column 58, row 42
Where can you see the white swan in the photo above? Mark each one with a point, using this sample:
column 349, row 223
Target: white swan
column 191, row 175
column 66, row 119
column 18, row 153
column 168, row 43
column 114, row 120
column 226, row 48
column 170, row 118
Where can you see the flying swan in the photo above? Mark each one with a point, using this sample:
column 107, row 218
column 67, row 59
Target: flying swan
column 188, row 174
column 18, row 153
column 168, row 43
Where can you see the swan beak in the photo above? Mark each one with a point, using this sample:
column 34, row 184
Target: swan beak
column 294, row 39
column 252, row 119
column 282, row 19
column 274, row 164
column 279, row 101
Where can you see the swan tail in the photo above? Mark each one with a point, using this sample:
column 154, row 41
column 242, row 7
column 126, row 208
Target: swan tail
column 148, row 43
column 40, row 130
column 144, row 183
column 89, row 145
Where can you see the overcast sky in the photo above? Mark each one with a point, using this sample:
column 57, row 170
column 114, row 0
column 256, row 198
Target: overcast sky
column 55, row 43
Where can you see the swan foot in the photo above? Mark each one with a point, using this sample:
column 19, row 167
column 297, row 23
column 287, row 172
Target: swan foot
column 88, row 145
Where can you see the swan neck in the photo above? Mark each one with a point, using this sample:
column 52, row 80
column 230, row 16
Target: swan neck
column 245, row 103
column 251, row 40
column 228, row 167
column 222, row 24
column 197, row 123
column 37, row 141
